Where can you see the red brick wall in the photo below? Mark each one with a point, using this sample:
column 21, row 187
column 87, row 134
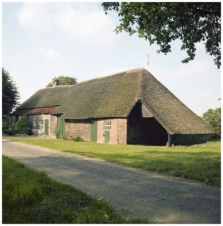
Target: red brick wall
column 52, row 125
column 118, row 131
column 81, row 128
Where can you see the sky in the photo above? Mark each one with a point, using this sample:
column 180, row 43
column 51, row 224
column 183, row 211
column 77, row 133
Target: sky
column 41, row 41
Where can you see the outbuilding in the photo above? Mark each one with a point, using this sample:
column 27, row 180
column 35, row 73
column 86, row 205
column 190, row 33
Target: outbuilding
column 130, row 107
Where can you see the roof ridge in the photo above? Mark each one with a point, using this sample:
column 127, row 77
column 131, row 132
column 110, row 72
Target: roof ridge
column 138, row 96
column 101, row 77
column 150, row 108
column 116, row 73
column 59, row 86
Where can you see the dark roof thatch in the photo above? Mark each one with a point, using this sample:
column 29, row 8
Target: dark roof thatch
column 114, row 97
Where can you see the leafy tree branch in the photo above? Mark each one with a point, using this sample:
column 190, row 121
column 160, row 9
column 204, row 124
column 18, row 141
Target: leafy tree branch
column 164, row 22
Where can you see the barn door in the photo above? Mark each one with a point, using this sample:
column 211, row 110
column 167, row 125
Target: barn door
column 60, row 126
column 107, row 135
column 46, row 127
column 107, row 127
column 94, row 130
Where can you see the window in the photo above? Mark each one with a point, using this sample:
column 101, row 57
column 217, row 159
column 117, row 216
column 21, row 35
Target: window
column 34, row 122
column 107, row 125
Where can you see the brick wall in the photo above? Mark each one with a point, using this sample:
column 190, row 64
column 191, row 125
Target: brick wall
column 100, row 131
column 122, row 131
column 81, row 128
column 52, row 126
column 187, row 139
column 40, row 124
column 118, row 132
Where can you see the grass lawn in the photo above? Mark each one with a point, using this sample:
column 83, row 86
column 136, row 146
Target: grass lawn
column 32, row 197
column 196, row 162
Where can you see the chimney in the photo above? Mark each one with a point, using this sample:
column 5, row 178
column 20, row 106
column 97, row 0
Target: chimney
column 56, row 82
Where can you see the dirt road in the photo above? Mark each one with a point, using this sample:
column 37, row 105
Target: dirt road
column 130, row 191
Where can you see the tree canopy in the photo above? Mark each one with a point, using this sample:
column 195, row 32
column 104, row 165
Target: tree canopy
column 63, row 80
column 164, row 22
column 10, row 93
column 213, row 118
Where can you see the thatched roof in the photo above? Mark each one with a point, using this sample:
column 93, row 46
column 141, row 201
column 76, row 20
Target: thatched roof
column 114, row 97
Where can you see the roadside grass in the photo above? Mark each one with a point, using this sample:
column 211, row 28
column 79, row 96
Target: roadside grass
column 32, row 197
column 195, row 162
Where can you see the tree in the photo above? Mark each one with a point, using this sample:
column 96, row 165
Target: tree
column 63, row 80
column 213, row 118
column 10, row 94
column 22, row 126
column 164, row 22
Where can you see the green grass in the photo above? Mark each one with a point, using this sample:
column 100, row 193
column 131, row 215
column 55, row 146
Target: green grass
column 196, row 162
column 32, row 197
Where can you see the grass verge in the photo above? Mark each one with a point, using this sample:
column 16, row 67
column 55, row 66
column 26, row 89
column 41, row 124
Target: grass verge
column 196, row 162
column 32, row 197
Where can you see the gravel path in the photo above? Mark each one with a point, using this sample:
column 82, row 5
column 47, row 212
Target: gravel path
column 149, row 195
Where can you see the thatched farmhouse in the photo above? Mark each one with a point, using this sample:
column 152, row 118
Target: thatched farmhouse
column 130, row 107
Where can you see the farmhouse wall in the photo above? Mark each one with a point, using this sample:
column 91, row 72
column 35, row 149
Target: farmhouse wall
column 188, row 139
column 52, row 126
column 100, row 131
column 38, row 128
column 81, row 128
column 118, row 132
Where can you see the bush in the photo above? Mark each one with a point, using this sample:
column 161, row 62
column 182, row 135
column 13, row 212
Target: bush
column 66, row 136
column 5, row 121
column 22, row 126
column 29, row 132
column 57, row 133
column 77, row 138
column 213, row 118
column 9, row 132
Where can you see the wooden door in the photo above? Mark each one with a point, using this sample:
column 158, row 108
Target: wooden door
column 107, row 135
column 94, row 130
column 46, row 127
column 107, row 129
column 60, row 126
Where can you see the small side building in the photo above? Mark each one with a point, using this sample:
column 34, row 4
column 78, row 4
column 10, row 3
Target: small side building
column 130, row 107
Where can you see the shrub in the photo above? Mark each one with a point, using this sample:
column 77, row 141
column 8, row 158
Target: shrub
column 213, row 118
column 9, row 132
column 66, row 136
column 5, row 121
column 22, row 126
column 77, row 138
column 29, row 132
column 57, row 133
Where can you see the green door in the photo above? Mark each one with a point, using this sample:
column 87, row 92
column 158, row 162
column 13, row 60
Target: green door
column 60, row 126
column 94, row 130
column 107, row 135
column 46, row 127
column 107, row 129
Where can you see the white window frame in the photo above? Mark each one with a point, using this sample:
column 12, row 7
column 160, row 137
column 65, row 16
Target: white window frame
column 34, row 122
column 107, row 125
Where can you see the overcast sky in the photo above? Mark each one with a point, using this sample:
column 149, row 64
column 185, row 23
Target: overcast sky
column 41, row 41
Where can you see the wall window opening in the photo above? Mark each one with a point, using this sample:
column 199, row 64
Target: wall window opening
column 34, row 122
column 107, row 125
